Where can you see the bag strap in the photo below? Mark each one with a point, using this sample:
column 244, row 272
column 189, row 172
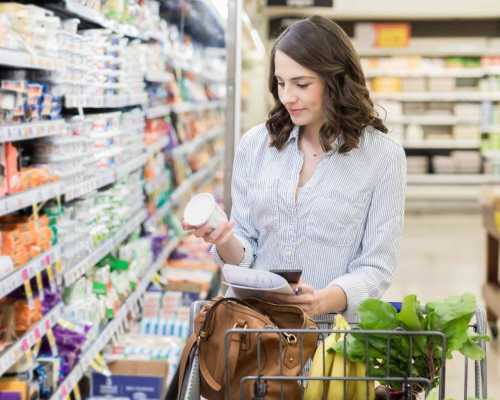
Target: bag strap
column 208, row 318
column 183, row 365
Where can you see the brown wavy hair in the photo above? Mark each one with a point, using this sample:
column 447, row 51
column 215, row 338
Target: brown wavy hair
column 320, row 45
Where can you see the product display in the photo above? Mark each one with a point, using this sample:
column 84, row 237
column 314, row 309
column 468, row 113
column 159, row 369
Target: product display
column 89, row 193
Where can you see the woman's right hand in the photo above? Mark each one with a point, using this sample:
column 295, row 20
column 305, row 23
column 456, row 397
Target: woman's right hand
column 218, row 237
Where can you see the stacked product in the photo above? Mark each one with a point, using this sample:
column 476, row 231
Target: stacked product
column 23, row 238
column 158, row 182
column 190, row 269
column 25, row 97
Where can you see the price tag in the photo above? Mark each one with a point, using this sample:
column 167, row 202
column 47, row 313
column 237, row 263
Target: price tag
column 64, row 392
column 29, row 294
column 39, row 284
column 51, row 338
column 50, row 275
column 25, row 346
column 58, row 265
column 76, row 392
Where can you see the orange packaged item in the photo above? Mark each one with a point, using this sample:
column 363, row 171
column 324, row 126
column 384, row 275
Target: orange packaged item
column 12, row 170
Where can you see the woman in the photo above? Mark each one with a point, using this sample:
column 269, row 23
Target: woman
column 320, row 186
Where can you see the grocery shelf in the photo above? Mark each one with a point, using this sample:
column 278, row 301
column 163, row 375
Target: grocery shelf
column 452, row 179
column 31, row 130
column 17, row 278
column 108, row 177
column 448, row 51
column 80, row 189
column 432, row 120
column 196, row 107
column 85, row 13
column 113, row 327
column 73, row 274
column 22, row 59
column 113, row 101
column 18, row 201
column 193, row 145
column 442, row 144
column 422, row 73
column 438, row 96
column 156, row 147
column 29, row 339
column 157, row 111
column 126, row 169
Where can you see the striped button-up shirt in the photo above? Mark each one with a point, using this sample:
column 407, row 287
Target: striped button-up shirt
column 344, row 226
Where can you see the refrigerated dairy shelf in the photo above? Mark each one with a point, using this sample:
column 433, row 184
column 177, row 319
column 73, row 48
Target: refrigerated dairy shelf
column 78, row 10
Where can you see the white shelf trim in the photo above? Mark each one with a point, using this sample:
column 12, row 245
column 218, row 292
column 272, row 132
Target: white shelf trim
column 18, row 201
column 17, row 278
column 23, row 59
column 26, row 131
column 157, row 111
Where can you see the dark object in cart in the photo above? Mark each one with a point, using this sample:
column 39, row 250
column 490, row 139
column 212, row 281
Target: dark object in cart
column 411, row 386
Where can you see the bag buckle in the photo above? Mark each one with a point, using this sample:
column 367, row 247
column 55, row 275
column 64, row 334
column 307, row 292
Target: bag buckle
column 290, row 338
column 240, row 324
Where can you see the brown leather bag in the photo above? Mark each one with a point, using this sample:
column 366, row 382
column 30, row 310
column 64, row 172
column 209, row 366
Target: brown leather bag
column 223, row 314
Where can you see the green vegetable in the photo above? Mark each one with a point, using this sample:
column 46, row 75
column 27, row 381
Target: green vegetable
column 413, row 355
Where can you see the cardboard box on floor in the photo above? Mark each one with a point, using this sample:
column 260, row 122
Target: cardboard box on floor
column 133, row 379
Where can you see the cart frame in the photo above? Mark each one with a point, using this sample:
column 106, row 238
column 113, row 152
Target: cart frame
column 191, row 387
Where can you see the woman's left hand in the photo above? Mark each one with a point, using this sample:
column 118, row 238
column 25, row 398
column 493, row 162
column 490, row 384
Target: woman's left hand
column 306, row 297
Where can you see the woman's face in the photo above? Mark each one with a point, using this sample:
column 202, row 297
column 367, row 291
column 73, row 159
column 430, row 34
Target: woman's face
column 300, row 90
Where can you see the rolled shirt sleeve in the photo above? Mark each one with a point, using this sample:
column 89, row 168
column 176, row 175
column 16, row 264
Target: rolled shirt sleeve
column 244, row 229
column 370, row 273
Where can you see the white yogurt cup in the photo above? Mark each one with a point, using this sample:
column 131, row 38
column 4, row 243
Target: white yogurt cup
column 202, row 209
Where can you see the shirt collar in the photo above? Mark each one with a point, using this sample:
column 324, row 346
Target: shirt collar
column 294, row 135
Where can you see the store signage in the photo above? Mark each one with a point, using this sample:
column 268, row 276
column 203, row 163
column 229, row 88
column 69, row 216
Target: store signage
column 300, row 3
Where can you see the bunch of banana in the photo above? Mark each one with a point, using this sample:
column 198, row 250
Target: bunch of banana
column 327, row 362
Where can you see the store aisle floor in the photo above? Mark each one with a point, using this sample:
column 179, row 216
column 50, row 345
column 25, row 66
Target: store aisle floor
column 443, row 255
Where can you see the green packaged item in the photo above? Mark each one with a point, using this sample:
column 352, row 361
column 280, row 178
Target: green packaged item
column 99, row 288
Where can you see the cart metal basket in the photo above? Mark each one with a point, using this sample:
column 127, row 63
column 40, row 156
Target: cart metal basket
column 410, row 384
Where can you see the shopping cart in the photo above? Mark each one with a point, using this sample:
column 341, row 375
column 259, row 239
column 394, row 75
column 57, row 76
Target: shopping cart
column 411, row 385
